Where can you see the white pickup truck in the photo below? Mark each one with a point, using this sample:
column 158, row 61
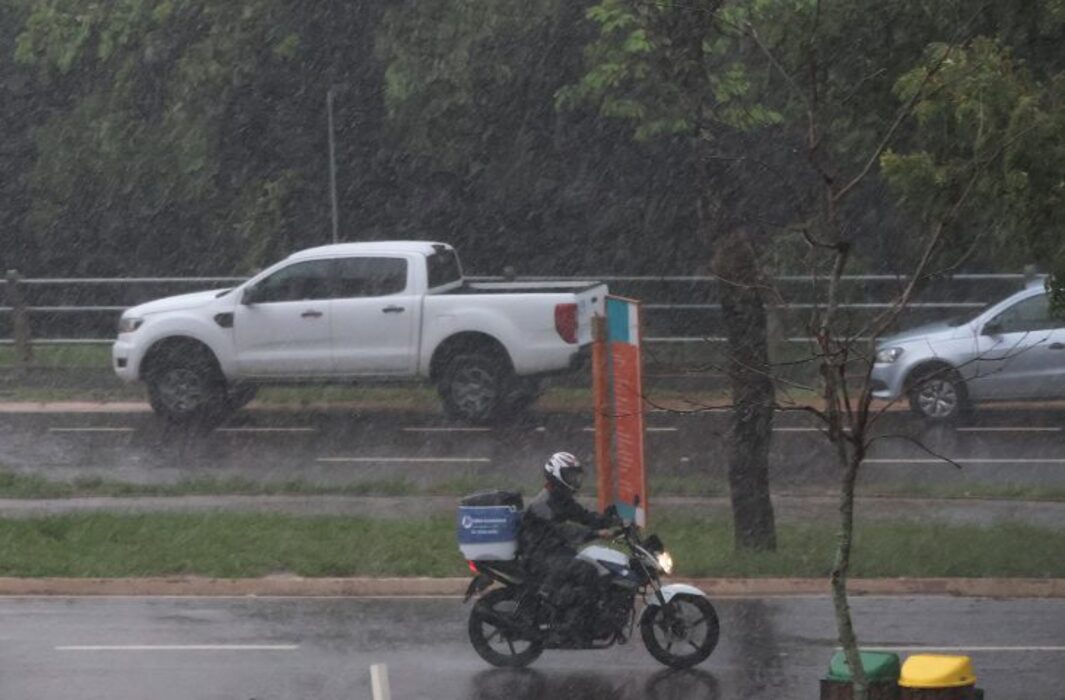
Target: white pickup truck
column 353, row 312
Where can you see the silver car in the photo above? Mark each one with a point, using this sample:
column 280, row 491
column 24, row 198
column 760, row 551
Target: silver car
column 1014, row 349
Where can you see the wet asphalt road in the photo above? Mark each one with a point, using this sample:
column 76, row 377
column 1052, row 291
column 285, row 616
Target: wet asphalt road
column 339, row 447
column 321, row 649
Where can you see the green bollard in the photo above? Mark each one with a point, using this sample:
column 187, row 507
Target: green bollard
column 881, row 674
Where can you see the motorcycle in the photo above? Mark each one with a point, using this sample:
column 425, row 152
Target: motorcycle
column 512, row 624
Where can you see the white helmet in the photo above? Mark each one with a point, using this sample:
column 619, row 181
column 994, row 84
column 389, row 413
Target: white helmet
column 563, row 469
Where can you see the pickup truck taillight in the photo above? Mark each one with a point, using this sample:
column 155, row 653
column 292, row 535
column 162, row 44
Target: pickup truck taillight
column 566, row 322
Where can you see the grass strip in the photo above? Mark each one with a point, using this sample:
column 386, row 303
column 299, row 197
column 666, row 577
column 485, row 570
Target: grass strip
column 249, row 545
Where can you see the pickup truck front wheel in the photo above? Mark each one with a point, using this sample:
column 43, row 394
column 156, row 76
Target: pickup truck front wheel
column 474, row 388
column 186, row 389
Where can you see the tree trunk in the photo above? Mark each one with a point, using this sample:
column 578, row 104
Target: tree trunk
column 752, row 393
column 844, row 625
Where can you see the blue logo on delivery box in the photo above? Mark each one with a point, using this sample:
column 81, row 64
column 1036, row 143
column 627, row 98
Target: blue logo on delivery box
column 486, row 524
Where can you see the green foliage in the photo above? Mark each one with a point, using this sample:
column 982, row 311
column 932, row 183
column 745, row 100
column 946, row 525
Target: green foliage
column 666, row 69
column 443, row 59
column 150, row 91
column 986, row 124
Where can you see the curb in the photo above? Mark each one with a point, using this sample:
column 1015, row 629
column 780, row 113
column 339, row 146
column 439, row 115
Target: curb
column 294, row 586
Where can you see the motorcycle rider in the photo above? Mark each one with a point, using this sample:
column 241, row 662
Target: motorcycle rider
column 554, row 526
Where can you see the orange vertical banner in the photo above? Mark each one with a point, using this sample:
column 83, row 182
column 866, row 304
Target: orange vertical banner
column 623, row 334
column 604, row 473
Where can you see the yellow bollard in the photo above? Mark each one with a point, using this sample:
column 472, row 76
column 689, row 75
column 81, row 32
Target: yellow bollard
column 938, row 677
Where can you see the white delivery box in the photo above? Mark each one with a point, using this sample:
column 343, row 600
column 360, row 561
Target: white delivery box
column 488, row 525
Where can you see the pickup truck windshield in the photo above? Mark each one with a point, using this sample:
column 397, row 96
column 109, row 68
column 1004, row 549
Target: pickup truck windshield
column 443, row 267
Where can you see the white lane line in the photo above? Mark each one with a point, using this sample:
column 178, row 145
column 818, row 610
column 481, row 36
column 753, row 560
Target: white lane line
column 90, row 430
column 181, row 647
column 1019, row 429
column 649, row 430
column 962, row 648
column 447, row 430
column 414, row 460
column 254, row 429
column 966, row 460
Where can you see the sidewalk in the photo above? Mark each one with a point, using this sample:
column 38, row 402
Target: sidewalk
column 795, row 509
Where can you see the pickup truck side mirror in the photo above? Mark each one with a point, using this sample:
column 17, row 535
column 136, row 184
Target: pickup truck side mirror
column 992, row 328
column 250, row 296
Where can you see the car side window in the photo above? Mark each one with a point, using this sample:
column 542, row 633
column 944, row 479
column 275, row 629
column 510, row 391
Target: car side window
column 302, row 281
column 1031, row 314
column 370, row 277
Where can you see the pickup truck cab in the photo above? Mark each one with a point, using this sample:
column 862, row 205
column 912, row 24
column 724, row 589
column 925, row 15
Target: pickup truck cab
column 359, row 311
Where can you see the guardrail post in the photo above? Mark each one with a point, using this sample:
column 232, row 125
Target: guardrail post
column 20, row 320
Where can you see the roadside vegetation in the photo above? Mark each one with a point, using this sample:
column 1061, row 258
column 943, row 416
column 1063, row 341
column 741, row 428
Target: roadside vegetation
column 250, row 545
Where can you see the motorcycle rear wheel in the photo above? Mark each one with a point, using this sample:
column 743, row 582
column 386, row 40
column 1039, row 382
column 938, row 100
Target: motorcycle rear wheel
column 498, row 646
column 687, row 623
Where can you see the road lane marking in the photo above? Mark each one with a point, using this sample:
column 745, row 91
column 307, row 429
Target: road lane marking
column 649, row 430
column 180, row 647
column 266, row 430
column 447, row 430
column 416, row 460
column 1006, row 429
column 90, row 430
column 965, row 460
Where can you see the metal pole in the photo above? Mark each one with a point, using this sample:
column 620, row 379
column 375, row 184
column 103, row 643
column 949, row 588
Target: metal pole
column 332, row 163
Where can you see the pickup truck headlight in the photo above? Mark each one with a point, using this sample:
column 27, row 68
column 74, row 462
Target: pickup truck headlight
column 888, row 355
column 128, row 324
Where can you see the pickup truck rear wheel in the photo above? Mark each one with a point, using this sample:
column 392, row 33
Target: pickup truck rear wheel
column 186, row 389
column 524, row 392
column 240, row 395
column 475, row 387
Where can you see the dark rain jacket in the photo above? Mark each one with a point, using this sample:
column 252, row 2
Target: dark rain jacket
column 555, row 525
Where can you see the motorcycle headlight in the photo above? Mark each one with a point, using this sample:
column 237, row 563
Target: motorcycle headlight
column 665, row 562
column 888, row 355
column 128, row 324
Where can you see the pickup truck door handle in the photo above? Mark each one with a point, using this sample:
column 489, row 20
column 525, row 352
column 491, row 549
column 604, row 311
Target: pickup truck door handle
column 1056, row 346
column 393, row 310
column 311, row 313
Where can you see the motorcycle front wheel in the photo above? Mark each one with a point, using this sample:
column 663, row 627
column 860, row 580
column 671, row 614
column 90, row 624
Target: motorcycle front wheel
column 681, row 633
column 495, row 642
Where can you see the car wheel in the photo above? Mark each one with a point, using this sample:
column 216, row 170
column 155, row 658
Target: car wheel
column 475, row 387
column 240, row 395
column 186, row 389
column 523, row 394
column 939, row 395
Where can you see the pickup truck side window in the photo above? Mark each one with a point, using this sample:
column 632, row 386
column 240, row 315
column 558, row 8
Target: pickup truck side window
column 1031, row 314
column 370, row 277
column 297, row 282
column 443, row 267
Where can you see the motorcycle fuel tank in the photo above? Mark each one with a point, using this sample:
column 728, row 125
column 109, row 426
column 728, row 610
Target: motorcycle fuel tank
column 605, row 558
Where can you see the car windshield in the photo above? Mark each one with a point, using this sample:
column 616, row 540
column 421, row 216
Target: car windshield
column 969, row 316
